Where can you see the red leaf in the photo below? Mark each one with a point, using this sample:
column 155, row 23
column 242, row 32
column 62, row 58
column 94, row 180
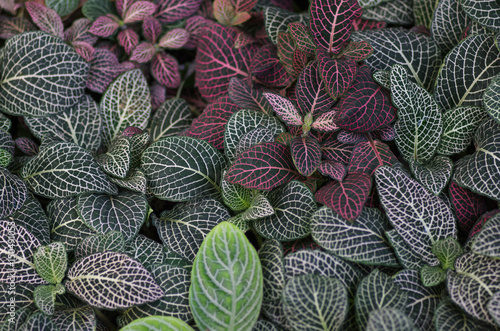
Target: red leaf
column 195, row 25
column 138, row 11
column 334, row 150
column 468, row 206
column 306, row 153
column 286, row 49
column 337, row 74
column 84, row 49
column 122, row 6
column 128, row 39
column 174, row 39
column 348, row 137
column 367, row 156
column 158, row 95
column 285, row 138
column 299, row 61
column 246, row 97
column 173, row 10
column 348, row 197
column 143, row 53
column 361, row 24
column 45, row 18
column 385, row 134
column 311, row 93
column 105, row 26
column 151, row 28
column 165, row 69
column 335, row 170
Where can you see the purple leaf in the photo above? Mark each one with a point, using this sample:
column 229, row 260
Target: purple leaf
column 217, row 61
column 385, row 134
column 84, row 49
column 173, row 10
column 138, row 11
column 367, row 156
column 45, row 18
column 11, row 26
column 326, row 122
column 267, row 68
column 348, row 197
column 306, row 153
column 27, row 146
column 263, row 167
column 357, row 50
column 336, row 151
column 104, row 68
column 362, row 24
column 174, row 39
column 246, row 97
column 131, row 131
column 143, row 53
column 348, row 137
column 480, row 222
column 151, row 28
column 337, row 74
column 302, row 37
column 165, row 69
column 312, row 96
column 210, row 125
column 332, row 169
column 331, row 22
column 468, row 206
column 104, row 26
column 128, row 39
column 366, row 106
column 158, row 95
column 80, row 31
column 284, row 108
column 122, row 6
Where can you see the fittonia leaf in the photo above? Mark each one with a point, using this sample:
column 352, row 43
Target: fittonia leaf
column 485, row 242
column 14, row 193
column 399, row 12
column 112, row 241
column 172, row 117
column 51, row 262
column 448, row 24
column 484, row 12
column 271, row 258
column 448, row 316
column 157, row 323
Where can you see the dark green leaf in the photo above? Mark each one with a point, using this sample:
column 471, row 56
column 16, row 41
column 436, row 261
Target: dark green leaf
column 259, row 207
column 116, row 161
column 435, row 174
column 406, row 256
column 111, row 241
column 397, row 12
column 39, row 321
column 432, row 276
column 450, row 317
column 134, row 181
column 172, row 117
column 486, row 241
column 276, row 20
column 273, row 269
column 491, row 99
column 448, row 24
column 145, row 250
column 13, row 193
column 236, row 196
column 485, row 12
column 389, row 319
column 62, row 7
column 21, row 294
column 75, row 318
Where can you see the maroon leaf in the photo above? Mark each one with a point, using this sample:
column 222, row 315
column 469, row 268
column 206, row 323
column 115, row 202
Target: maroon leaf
column 366, row 106
column 84, row 49
column 326, row 122
column 173, row 10
column 104, row 68
column 348, row 137
column 27, row 146
column 243, row 5
column 138, row 11
column 143, row 53
column 131, row 131
column 357, row 50
column 80, row 31
column 334, row 150
column 217, row 61
column 331, row 22
column 11, row 26
column 337, row 74
column 285, row 138
column 480, row 222
column 267, row 67
column 174, row 39
column 105, row 26
column 362, row 24
column 210, row 125
column 45, row 18
column 322, row 136
column 302, row 38
column 306, row 153
column 151, row 29
column 348, row 197
column 299, row 61
column 246, row 97
column 263, row 167
column 311, row 94
column 332, row 169
column 385, row 134
column 468, row 206
column 165, row 69
column 158, row 96
column 367, row 156
column 128, row 39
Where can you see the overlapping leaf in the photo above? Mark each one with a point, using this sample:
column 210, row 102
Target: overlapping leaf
column 398, row 12
column 306, row 153
column 491, row 97
column 51, row 262
column 450, row 317
column 334, row 150
column 23, row 300
column 13, row 193
column 97, row 243
column 467, row 205
column 435, row 174
column 407, row 258
column 311, row 94
column 485, row 12
column 44, row 296
column 337, row 74
column 173, row 10
column 389, row 319
column 45, row 18
column 145, row 250
column 276, row 20
column 271, row 258
column 104, row 68
column 157, row 323
column 171, row 117
column 74, row 318
column 486, row 241
column 334, row 170
column 246, row 97
column 368, row 156
column 448, row 24
column 38, row 321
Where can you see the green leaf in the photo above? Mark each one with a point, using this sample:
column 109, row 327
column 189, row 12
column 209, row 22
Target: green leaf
column 116, row 161
column 45, row 296
column 273, row 310
column 13, row 193
column 459, row 125
column 183, row 168
column 239, row 223
column 259, row 207
column 112, row 241
column 377, row 291
column 395, row 12
column 491, row 99
column 125, row 212
column 432, row 276
column 5, row 122
column 62, row 7
column 170, row 119
column 92, row 9
column 184, row 228
column 494, row 307
column 447, row 250
column 74, row 318
column 467, row 70
column 264, row 325
column 344, row 238
column 14, row 323
column 138, row 144
column 406, row 256
column 294, row 206
column 64, row 169
column 450, row 317
column 254, row 137
column 313, row 302
column 435, row 174
column 423, row 11
column 145, row 250
column 41, row 75
column 389, row 319
column 419, row 124
column 226, row 290
column 39, row 321
column 157, row 323
column 126, row 102
column 475, row 279
column 448, row 24
column 6, row 157
column 486, row 12
column 273, row 269
column 21, row 294
column 486, row 241
column 235, row 196
column 134, row 181
column 51, row 262
column 112, row 280
column 276, row 20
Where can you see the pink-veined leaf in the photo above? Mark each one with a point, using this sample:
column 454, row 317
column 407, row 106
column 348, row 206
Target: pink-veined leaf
column 366, row 106
column 174, row 39
column 348, row 197
column 143, row 53
column 122, row 6
column 105, row 26
column 243, row 5
column 468, row 206
column 337, row 74
column 138, row 11
column 385, row 134
column 263, row 167
column 312, row 96
column 357, row 50
column 151, row 29
column 165, row 69
column 224, row 11
column 335, row 170
column 243, row 39
column 284, row 138
column 303, row 39
column 334, row 150
column 362, row 24
column 240, row 18
column 210, row 125
column 173, row 10
column 306, row 153
column 194, row 25
column 247, row 97
column 80, row 31
column 284, row 108
column 131, row 131
column 326, row 122
column 286, row 48
column 45, row 18
column 104, row 68
column 348, row 137
column 128, row 39
column 367, row 156
column 480, row 222
column 322, row 136
column 299, row 61
column 268, row 69
column 11, row 26
column 27, row 146
column 331, row 22
column 84, row 49
column 158, row 94
column 217, row 61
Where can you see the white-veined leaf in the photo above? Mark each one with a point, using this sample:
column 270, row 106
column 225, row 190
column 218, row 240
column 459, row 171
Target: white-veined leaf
column 432, row 276
column 494, row 307
column 74, row 318
column 433, row 175
column 254, row 137
column 157, row 323
column 145, row 250
column 116, row 161
column 63, row 7
column 406, row 256
column 448, row 24
column 45, row 296
column 485, row 12
column 450, row 317
column 97, row 243
column 491, row 99
column 396, row 12
column 285, row 109
column 447, row 251
column 38, row 321
column 22, row 295
column 259, row 207
column 134, row 181
column 12, row 194
column 388, row 319
column 487, row 241
column 14, row 323
column 264, row 325
column 235, row 196
column 276, row 20
column 51, row 262
column 273, row 269
column 171, row 117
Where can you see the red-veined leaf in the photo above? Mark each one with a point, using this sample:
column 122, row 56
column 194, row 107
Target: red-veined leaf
column 332, row 169
column 84, row 49
column 128, row 39
column 367, row 156
column 337, row 74
column 312, row 96
column 174, row 39
column 286, row 49
column 158, row 95
column 299, row 61
column 247, row 97
column 284, row 138
column 468, row 206
column 11, row 26
column 331, row 22
column 143, row 53
column 348, row 197
column 326, row 122
column 306, row 153
column 263, row 167
column 480, row 222
column 80, row 31
column 173, row 10
column 357, row 50
column 138, row 11
column 334, row 150
column 284, row 108
column 243, row 39
column 385, row 134
column 104, row 68
column 151, row 29
column 224, row 11
column 303, row 39
column 348, row 137
column 165, row 69
column 105, row 26
column 243, row 5
column 45, row 18
column 362, row 24
column 194, row 25
column 267, row 67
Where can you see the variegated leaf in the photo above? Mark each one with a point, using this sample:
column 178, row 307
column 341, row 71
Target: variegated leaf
column 486, row 241
column 332, row 169
column 337, row 74
column 11, row 26
column 389, row 319
column 105, row 26
column 285, row 109
column 104, row 68
column 134, row 181
column 165, row 69
column 260, row 207
column 45, row 18
column 13, row 193
column 491, row 97
column 432, row 276
column 235, row 196
column 51, row 262
column 247, row 97
column 312, row 96
column 172, row 117
column 173, row 10
column 138, row 11
column 98, row 243
column 326, row 122
column 494, row 307
column 44, row 296
column 145, row 250
column 74, row 318
column 368, row 156
column 333, row 150
column 306, row 153
column 484, row 12
column 38, row 321
column 468, row 206
column 276, row 20
column 302, row 37
column 273, row 269
column 63, row 7
column 254, row 137
column 448, row 24
column 450, row 317
column 398, row 12
column 116, row 161
column 435, row 174
column 406, row 256
column 173, row 39
column 143, row 53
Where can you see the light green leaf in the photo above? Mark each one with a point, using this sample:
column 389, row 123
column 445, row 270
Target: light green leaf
column 447, row 251
column 432, row 276
column 344, row 238
column 433, row 175
column 396, row 12
column 491, row 99
column 65, row 169
column 6, row 158
column 276, row 20
column 157, row 323
column 273, row 269
column 99, row 279
column 74, row 318
column 475, row 279
column 111, row 241
column 124, row 213
column 62, row 7
column 170, row 119
column 21, row 294
column 184, row 228
column 486, row 242
column 45, row 297
column 259, row 207
column 449, row 317
column 116, row 161
column 235, row 196
column 313, row 302
column 226, row 290
column 39, row 321
column 80, row 124
column 126, row 102
column 389, row 319
column 51, row 262
column 406, row 256
column 145, row 250
column 41, row 75
column 183, row 168
column 134, row 181
column 13, row 193
column 448, row 24
column 485, row 12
